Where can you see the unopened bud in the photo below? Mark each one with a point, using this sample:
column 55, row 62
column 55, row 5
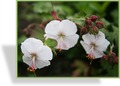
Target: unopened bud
column 88, row 22
column 54, row 15
column 112, row 54
column 113, row 58
column 116, row 59
column 105, row 57
column 111, row 61
column 99, row 24
column 94, row 30
column 94, row 18
column 84, row 30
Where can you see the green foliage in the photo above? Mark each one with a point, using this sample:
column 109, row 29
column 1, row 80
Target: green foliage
column 42, row 7
column 40, row 12
column 111, row 32
column 111, row 70
column 51, row 42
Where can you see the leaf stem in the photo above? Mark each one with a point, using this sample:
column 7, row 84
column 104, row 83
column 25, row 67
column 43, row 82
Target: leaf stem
column 35, row 74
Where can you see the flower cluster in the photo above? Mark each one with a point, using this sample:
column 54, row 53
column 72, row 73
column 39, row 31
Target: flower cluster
column 37, row 54
column 92, row 25
column 111, row 57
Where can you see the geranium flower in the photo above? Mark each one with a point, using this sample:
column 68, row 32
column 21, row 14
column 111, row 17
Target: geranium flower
column 64, row 32
column 94, row 45
column 36, row 55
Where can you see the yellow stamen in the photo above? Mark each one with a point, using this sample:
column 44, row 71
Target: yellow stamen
column 90, row 58
column 30, row 69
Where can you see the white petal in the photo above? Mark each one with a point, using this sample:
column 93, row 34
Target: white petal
column 85, row 46
column 27, row 60
column 88, row 38
column 104, row 46
column 24, row 51
column 32, row 45
column 51, row 36
column 101, row 34
column 41, row 64
column 98, row 54
column 68, row 27
column 71, row 41
column 52, row 28
column 33, row 63
column 61, row 44
column 100, row 38
column 45, row 53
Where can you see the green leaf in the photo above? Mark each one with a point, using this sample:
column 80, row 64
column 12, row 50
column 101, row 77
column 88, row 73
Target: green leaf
column 105, row 65
column 21, row 39
column 42, row 7
column 80, row 21
column 38, row 33
column 51, row 43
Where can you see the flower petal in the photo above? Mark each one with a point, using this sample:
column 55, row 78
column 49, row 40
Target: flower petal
column 41, row 64
column 51, row 36
column 52, row 28
column 31, row 45
column 88, row 38
column 104, row 46
column 100, row 38
column 27, row 60
column 33, row 64
column 45, row 53
column 61, row 44
column 85, row 46
column 98, row 54
column 68, row 27
column 24, row 51
column 71, row 41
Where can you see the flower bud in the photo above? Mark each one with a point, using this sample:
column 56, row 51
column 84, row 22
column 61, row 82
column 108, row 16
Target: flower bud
column 54, row 15
column 113, row 58
column 111, row 61
column 105, row 57
column 88, row 22
column 99, row 24
column 94, row 18
column 84, row 30
column 116, row 59
column 94, row 30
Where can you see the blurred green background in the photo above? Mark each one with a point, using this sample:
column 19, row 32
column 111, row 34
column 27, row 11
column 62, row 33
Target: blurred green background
column 73, row 62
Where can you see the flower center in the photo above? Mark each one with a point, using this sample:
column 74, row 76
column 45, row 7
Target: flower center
column 31, row 68
column 93, row 45
column 91, row 55
column 61, row 35
column 33, row 55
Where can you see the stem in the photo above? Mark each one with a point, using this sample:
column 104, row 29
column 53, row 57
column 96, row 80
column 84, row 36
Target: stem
column 52, row 6
column 90, row 61
column 35, row 74
column 54, row 51
column 54, row 15
column 78, row 24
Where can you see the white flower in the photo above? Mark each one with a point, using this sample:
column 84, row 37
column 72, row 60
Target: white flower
column 36, row 55
column 64, row 32
column 94, row 45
